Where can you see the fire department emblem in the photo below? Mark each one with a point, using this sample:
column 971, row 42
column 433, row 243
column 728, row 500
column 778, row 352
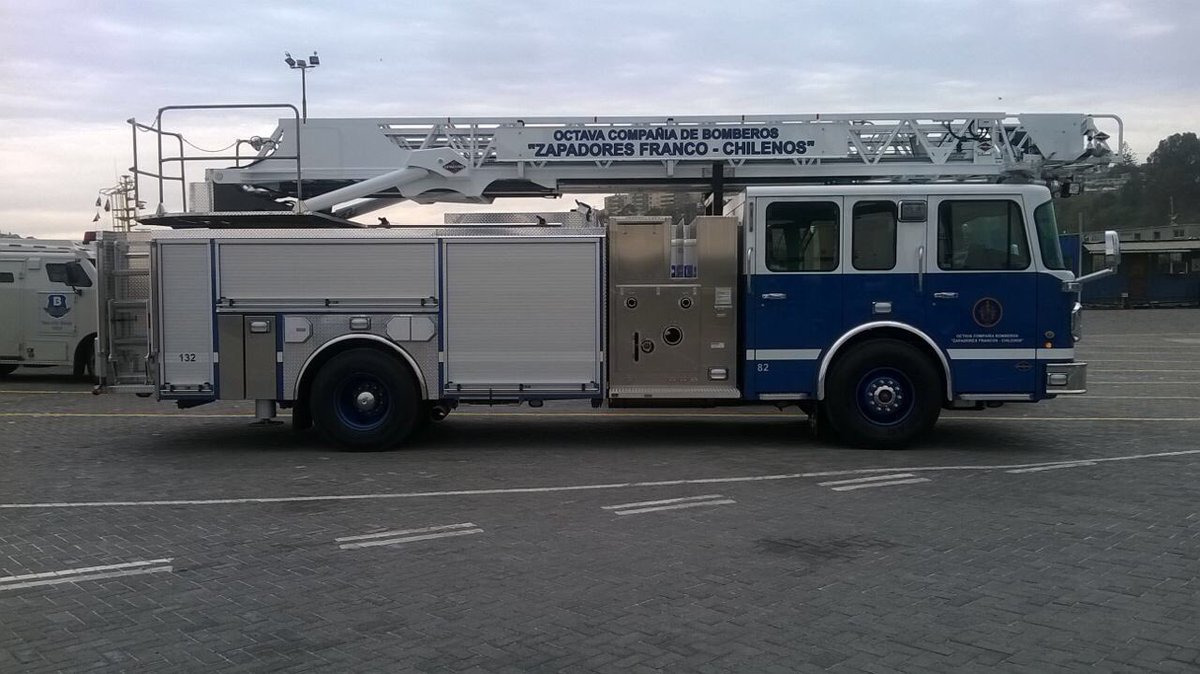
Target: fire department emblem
column 56, row 306
column 987, row 312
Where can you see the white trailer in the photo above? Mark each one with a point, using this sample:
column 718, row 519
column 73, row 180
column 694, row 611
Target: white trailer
column 47, row 305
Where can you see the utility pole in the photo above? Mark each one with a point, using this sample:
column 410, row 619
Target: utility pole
column 303, row 66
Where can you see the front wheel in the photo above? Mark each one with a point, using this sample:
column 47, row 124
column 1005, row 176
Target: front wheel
column 365, row 400
column 883, row 394
column 7, row 370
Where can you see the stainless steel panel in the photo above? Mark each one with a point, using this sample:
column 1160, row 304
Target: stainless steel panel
column 639, row 250
column 325, row 327
column 261, row 383
column 521, row 313
column 673, row 337
column 231, row 366
column 185, row 315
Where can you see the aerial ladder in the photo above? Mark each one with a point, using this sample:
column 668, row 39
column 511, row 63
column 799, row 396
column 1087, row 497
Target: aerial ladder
column 324, row 172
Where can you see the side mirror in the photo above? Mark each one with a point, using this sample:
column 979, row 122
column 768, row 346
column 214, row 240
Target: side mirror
column 1112, row 258
column 1112, row 249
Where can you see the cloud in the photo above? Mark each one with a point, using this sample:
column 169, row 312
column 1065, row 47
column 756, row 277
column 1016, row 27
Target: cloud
column 73, row 72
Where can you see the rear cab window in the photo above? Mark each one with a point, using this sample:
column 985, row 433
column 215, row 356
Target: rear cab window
column 802, row 236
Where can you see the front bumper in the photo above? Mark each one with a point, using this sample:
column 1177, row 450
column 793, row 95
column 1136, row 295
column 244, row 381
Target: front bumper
column 1066, row 378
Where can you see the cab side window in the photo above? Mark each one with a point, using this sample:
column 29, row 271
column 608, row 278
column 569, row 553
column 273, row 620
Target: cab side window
column 56, row 272
column 802, row 236
column 7, row 277
column 873, row 236
column 981, row 235
column 68, row 273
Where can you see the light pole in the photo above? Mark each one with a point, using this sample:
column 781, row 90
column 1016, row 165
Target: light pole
column 303, row 66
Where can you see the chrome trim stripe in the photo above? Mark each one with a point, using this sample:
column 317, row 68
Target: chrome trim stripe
column 1056, row 354
column 783, row 354
column 783, row 396
column 991, row 354
column 1011, row 354
column 996, row 396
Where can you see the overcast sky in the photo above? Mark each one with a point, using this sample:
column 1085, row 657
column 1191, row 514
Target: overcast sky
column 72, row 72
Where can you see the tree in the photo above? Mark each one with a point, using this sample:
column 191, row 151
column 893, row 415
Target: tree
column 1172, row 174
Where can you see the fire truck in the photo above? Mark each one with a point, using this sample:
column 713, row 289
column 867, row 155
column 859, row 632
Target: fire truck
column 871, row 270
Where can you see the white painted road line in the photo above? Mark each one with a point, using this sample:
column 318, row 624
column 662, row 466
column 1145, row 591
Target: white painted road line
column 502, row 491
column 86, row 569
column 676, row 506
column 873, row 478
column 409, row 539
column 1038, row 469
column 405, row 532
column 872, row 485
column 86, row 573
column 661, row 502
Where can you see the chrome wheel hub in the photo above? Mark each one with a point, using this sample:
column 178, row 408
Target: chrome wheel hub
column 884, row 395
column 365, row 401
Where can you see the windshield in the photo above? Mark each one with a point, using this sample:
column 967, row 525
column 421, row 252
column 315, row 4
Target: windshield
column 1047, row 232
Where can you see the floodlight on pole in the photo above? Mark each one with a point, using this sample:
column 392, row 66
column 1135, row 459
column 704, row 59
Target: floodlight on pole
column 303, row 66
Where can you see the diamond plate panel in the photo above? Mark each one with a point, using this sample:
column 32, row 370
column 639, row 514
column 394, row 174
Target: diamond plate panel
column 326, row 327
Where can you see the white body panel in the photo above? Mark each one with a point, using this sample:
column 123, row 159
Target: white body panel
column 43, row 321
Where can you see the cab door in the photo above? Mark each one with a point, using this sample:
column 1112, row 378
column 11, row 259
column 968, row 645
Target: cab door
column 793, row 293
column 981, row 286
column 11, row 284
column 886, row 240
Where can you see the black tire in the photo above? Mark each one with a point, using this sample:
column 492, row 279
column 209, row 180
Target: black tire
column 339, row 409
column 7, row 370
column 86, row 359
column 883, row 394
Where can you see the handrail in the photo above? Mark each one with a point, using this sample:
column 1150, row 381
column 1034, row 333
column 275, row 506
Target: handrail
column 183, row 159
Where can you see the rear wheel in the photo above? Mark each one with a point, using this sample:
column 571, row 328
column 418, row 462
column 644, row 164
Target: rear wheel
column 883, row 394
column 365, row 400
column 7, row 369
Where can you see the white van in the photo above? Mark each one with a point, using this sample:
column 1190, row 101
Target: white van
column 47, row 305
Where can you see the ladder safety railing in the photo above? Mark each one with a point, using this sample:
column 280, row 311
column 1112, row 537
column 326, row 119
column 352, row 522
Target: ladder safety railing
column 182, row 159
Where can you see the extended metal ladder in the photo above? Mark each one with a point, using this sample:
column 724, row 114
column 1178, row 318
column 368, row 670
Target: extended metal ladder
column 341, row 168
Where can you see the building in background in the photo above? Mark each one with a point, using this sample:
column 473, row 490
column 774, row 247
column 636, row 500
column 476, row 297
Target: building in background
column 678, row 205
column 1160, row 266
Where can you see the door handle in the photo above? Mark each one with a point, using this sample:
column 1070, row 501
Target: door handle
column 945, row 296
column 920, row 270
column 774, row 296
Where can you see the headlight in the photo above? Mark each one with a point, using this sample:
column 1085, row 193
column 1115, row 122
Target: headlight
column 1077, row 321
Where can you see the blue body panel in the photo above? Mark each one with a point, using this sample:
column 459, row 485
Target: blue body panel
column 994, row 314
column 809, row 318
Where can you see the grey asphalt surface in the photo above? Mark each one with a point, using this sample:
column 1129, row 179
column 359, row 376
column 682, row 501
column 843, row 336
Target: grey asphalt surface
column 1086, row 557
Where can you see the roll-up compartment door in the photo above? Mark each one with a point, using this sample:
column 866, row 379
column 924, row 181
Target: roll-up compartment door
column 522, row 315
column 185, row 315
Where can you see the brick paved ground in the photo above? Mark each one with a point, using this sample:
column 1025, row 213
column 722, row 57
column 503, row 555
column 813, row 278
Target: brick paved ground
column 1089, row 566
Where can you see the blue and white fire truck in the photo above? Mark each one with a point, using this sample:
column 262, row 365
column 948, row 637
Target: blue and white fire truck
column 872, row 270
